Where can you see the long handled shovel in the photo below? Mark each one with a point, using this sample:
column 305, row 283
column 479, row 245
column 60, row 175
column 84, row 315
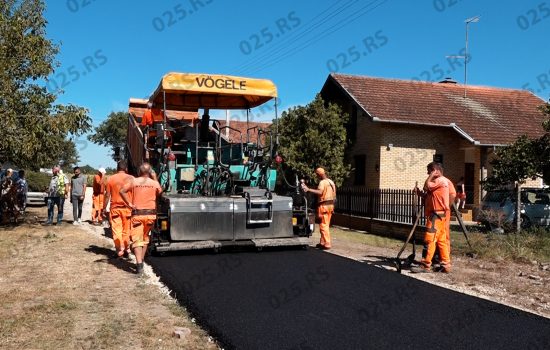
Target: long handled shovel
column 410, row 258
column 464, row 230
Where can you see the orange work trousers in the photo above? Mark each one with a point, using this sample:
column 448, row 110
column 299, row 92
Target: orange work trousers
column 436, row 239
column 448, row 229
column 140, row 227
column 324, row 212
column 97, row 207
column 120, row 227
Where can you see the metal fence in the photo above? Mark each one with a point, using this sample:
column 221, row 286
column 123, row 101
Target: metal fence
column 384, row 204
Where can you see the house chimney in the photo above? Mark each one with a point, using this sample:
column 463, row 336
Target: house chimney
column 448, row 80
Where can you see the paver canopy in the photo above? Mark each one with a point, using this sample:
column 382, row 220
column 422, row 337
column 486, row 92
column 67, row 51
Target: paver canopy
column 189, row 91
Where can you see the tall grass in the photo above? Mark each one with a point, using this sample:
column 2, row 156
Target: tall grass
column 526, row 246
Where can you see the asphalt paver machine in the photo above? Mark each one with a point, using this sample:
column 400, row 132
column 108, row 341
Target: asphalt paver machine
column 218, row 180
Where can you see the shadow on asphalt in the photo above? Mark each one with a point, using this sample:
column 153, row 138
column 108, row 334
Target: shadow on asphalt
column 109, row 256
column 384, row 261
column 225, row 250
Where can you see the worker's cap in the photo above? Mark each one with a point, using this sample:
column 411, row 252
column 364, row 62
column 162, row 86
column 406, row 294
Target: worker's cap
column 149, row 104
column 9, row 170
column 101, row 170
column 320, row 171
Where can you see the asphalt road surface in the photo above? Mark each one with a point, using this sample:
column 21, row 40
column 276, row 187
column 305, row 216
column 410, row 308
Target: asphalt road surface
column 314, row 300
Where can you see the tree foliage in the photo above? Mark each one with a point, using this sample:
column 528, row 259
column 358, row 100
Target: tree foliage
column 516, row 162
column 34, row 128
column 112, row 131
column 312, row 136
column 543, row 145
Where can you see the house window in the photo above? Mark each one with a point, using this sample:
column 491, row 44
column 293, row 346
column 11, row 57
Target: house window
column 438, row 158
column 360, row 169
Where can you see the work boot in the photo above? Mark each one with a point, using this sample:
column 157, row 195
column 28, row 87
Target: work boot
column 443, row 269
column 139, row 269
column 420, row 269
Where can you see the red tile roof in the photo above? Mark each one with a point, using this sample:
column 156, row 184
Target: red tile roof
column 242, row 126
column 490, row 116
column 137, row 108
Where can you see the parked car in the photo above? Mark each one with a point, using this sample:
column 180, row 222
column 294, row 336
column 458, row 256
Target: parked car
column 498, row 208
column 36, row 198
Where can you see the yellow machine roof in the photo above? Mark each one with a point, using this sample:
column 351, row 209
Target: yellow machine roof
column 190, row 91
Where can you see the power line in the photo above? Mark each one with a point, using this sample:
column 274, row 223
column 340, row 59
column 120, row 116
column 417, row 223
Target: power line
column 299, row 48
column 313, row 24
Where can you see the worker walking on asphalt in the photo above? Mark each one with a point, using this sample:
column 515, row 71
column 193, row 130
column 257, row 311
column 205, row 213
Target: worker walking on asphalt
column 327, row 194
column 120, row 214
column 98, row 196
column 143, row 204
column 436, row 201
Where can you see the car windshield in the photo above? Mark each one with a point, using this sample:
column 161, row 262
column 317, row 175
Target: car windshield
column 496, row 196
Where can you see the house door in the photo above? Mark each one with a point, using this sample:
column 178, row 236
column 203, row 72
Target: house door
column 469, row 169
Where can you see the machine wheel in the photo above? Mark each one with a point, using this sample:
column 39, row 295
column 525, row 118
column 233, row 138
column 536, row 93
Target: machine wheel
column 525, row 222
column 154, row 252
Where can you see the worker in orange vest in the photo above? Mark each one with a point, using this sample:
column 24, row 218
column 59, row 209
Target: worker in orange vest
column 119, row 213
column 327, row 195
column 151, row 115
column 143, row 203
column 437, row 209
column 98, row 196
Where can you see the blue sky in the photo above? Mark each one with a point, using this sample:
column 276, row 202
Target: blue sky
column 114, row 50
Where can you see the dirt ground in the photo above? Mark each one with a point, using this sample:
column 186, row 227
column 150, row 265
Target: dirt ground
column 60, row 289
column 523, row 286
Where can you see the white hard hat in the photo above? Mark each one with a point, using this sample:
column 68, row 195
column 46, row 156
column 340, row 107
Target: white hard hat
column 101, row 170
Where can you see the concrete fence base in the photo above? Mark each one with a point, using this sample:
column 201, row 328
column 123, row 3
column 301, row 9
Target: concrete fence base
column 377, row 227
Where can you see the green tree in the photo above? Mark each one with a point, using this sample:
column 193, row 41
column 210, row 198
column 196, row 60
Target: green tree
column 314, row 135
column 34, row 129
column 112, row 132
column 67, row 153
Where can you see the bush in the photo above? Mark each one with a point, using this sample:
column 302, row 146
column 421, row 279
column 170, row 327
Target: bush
column 37, row 181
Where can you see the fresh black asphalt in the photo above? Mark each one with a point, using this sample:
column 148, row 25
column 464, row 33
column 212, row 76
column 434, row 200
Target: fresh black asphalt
column 310, row 299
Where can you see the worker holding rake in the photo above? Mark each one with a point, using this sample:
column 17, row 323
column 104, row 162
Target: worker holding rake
column 327, row 195
column 437, row 209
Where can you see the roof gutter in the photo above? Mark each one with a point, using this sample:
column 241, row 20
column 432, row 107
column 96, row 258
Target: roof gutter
column 464, row 134
column 452, row 125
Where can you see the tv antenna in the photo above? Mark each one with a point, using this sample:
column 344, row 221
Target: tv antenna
column 474, row 19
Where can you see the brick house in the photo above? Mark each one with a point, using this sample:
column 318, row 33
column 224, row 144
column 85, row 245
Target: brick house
column 396, row 127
